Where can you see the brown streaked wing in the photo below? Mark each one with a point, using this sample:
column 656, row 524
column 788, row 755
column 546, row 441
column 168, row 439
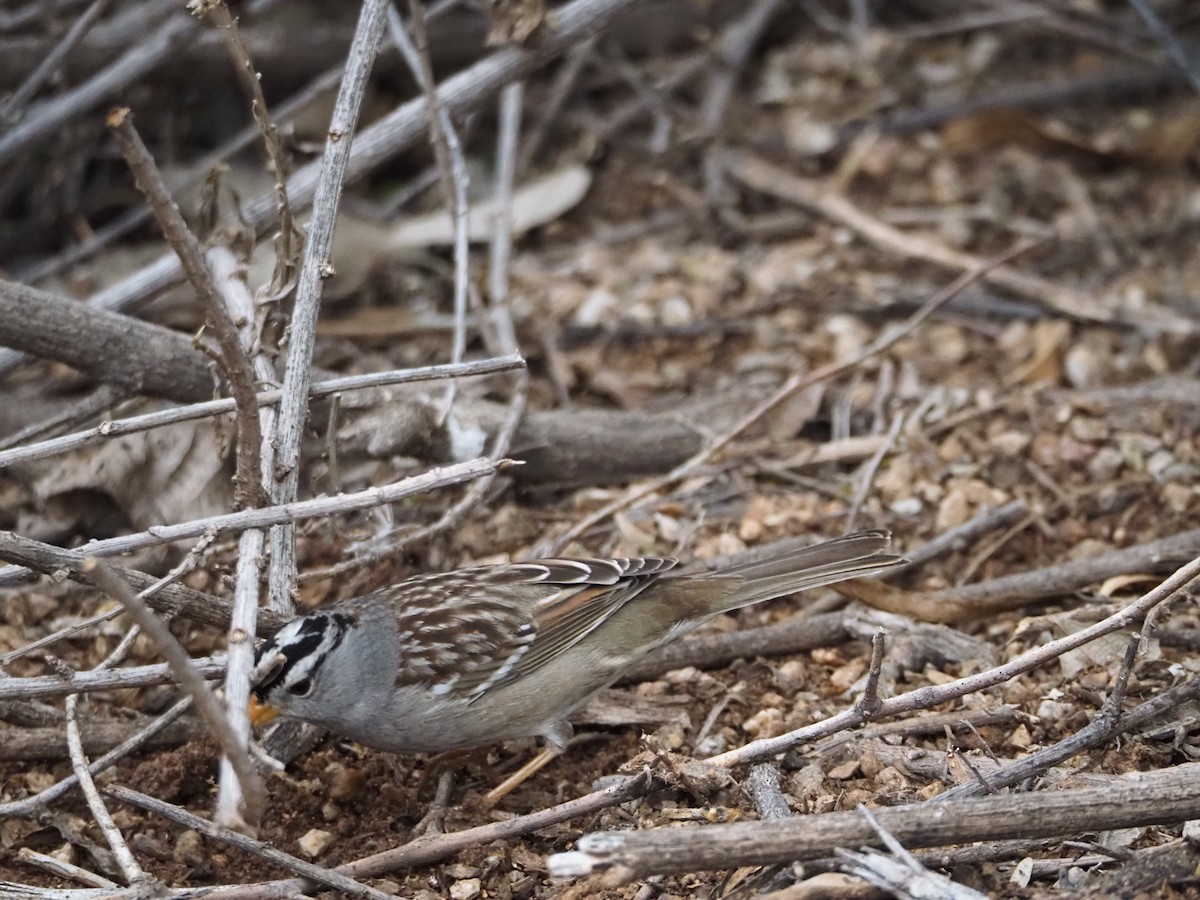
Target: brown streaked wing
column 567, row 617
column 475, row 629
column 455, row 632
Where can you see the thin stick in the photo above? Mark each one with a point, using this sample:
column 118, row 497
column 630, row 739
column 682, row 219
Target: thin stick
column 196, row 173
column 314, row 269
column 83, row 776
column 560, row 90
column 240, row 661
column 129, row 868
column 110, row 680
column 185, row 565
column 234, row 363
column 101, row 401
column 760, row 175
column 1110, row 722
column 262, row 849
column 866, row 477
column 134, row 424
column 398, row 130
column 142, row 57
column 218, row 13
column 869, row 703
column 10, row 110
column 272, row 515
column 451, row 517
column 974, row 601
column 500, row 249
column 448, row 152
column 64, row 869
column 731, row 54
column 181, row 665
column 962, row 536
column 174, row 598
column 243, row 621
column 1166, row 37
column 506, row 340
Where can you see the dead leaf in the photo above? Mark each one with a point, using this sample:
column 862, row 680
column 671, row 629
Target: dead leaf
column 164, row 475
column 514, row 21
column 1050, row 338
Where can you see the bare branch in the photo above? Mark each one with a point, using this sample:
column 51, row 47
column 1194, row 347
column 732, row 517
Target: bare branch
column 314, row 269
column 272, row 515
column 1145, row 798
column 447, row 150
column 262, row 849
column 132, row 425
column 399, row 130
column 218, row 13
column 176, row 599
column 10, row 110
column 129, row 868
column 234, row 363
column 190, row 679
column 143, row 56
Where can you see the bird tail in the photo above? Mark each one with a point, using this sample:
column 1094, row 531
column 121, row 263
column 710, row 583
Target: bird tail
column 852, row 556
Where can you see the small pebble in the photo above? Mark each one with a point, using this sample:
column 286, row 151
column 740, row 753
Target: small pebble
column 189, row 849
column 315, row 842
column 65, row 854
column 712, row 745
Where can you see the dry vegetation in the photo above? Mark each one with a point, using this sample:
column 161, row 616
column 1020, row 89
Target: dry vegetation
column 740, row 332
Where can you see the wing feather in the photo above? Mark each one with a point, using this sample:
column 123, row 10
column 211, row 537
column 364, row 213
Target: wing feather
column 474, row 630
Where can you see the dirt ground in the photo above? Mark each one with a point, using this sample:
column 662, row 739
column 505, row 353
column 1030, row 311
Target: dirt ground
column 663, row 291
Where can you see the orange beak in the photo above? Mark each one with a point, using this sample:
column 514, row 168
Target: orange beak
column 261, row 713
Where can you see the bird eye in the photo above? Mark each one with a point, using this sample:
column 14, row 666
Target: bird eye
column 301, row 688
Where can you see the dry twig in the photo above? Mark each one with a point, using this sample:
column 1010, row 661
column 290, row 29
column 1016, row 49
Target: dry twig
column 11, row 109
column 306, row 870
column 129, row 868
column 1110, row 722
column 234, row 363
column 972, row 602
column 398, row 130
column 314, row 269
column 181, row 665
column 271, row 515
column 144, row 55
column 451, row 163
column 218, row 13
column 35, row 556
column 1145, row 798
column 118, row 427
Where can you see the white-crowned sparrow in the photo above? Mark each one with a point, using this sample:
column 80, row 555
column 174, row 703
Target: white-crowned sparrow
column 488, row 654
